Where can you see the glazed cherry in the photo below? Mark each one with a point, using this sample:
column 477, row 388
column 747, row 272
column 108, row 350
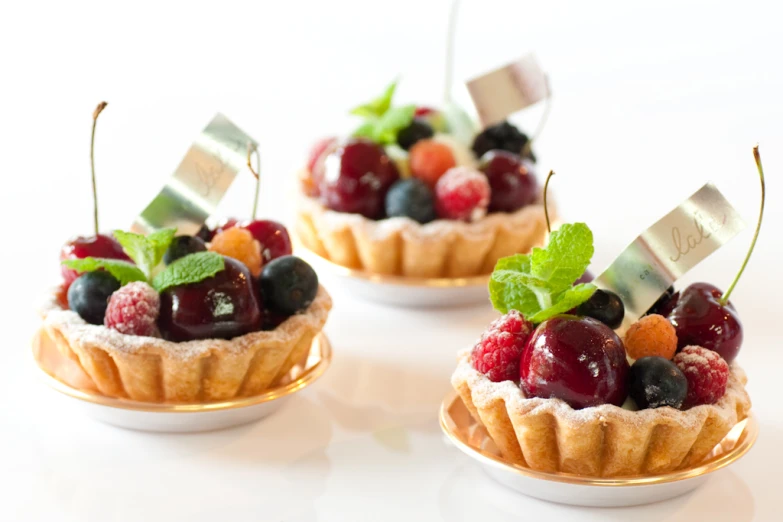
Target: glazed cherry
column 102, row 245
column 273, row 236
column 576, row 359
column 224, row 306
column 311, row 180
column 701, row 320
column 356, row 179
column 511, row 178
column 664, row 304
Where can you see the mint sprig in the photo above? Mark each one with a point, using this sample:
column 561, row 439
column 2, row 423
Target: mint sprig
column 122, row 270
column 382, row 121
column 146, row 251
column 540, row 285
column 192, row 268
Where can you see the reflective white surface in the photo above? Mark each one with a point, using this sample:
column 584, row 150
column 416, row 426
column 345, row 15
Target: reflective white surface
column 649, row 103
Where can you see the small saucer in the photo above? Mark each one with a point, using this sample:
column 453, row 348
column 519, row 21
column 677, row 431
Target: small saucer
column 67, row 377
column 472, row 439
column 403, row 291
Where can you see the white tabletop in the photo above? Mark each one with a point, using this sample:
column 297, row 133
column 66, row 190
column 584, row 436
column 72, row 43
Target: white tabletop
column 649, row 104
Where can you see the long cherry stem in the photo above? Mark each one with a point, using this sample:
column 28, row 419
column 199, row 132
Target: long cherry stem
column 546, row 207
column 448, row 76
column 95, row 115
column 757, row 157
column 250, row 150
column 541, row 124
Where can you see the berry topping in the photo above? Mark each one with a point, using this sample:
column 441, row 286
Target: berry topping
column 652, row 335
column 225, row 224
column 417, row 130
column 514, row 184
column 288, row 285
column 575, row 359
column 356, row 179
column 701, row 319
column 89, row 295
column 205, row 234
column 133, row 310
column 663, row 306
column 605, row 306
column 657, row 382
column 411, row 198
column 238, row 243
column 501, row 136
column 430, row 159
column 497, row 353
column 707, row 374
column 99, row 246
column 223, row 306
column 462, row 194
column 311, row 180
column 182, row 246
column 272, row 236
column 587, row 277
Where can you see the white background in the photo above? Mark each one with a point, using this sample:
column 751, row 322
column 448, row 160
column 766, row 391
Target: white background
column 650, row 102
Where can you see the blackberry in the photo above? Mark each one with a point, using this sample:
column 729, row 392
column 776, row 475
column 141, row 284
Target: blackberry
column 417, row 130
column 501, row 136
column 411, row 198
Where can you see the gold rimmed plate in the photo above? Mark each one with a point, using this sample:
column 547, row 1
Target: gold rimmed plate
column 400, row 290
column 473, row 440
column 66, row 377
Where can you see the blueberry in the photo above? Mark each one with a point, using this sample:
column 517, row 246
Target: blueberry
column 182, row 246
column 656, row 382
column 89, row 295
column 417, row 130
column 288, row 285
column 501, row 136
column 411, row 198
column 605, row 306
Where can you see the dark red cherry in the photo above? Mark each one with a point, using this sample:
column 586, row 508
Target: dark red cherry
column 102, row 245
column 224, row 306
column 273, row 236
column 701, row 320
column 311, row 180
column 356, row 178
column 511, row 178
column 576, row 359
column 225, row 224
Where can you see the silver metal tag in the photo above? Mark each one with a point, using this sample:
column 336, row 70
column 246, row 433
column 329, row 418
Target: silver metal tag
column 667, row 250
column 511, row 88
column 201, row 180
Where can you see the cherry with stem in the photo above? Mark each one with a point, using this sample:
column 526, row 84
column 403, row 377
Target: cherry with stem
column 98, row 110
column 727, row 293
column 256, row 172
column 546, row 207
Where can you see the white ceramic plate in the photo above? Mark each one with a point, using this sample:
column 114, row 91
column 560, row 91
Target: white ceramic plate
column 402, row 291
column 181, row 418
column 462, row 430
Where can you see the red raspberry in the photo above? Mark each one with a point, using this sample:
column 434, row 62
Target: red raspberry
column 498, row 352
column 133, row 310
column 707, row 375
column 462, row 193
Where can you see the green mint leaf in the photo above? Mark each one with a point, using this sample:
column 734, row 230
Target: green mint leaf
column 392, row 122
column 539, row 285
column 124, row 272
column 377, row 107
column 139, row 249
column 366, row 130
column 566, row 256
column 161, row 240
column 192, row 268
column 565, row 301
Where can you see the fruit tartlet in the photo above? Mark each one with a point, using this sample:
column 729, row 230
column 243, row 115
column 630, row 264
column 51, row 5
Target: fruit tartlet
column 185, row 318
column 558, row 389
column 416, row 192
